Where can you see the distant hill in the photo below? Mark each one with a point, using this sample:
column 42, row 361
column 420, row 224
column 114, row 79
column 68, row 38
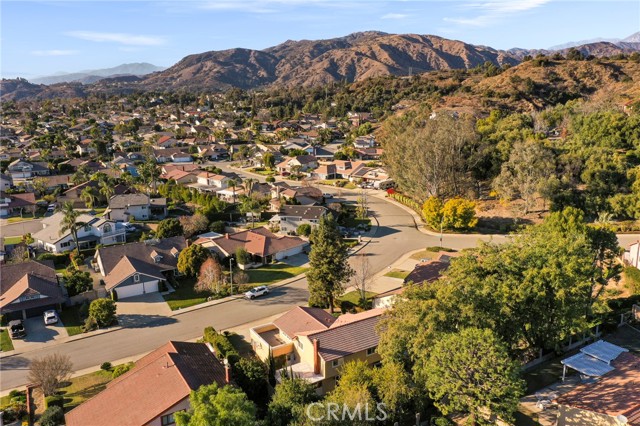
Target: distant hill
column 91, row 76
column 19, row 88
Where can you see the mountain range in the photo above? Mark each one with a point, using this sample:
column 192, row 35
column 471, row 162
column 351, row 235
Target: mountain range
column 306, row 63
column 633, row 38
column 91, row 76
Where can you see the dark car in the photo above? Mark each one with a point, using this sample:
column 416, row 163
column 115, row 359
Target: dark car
column 16, row 329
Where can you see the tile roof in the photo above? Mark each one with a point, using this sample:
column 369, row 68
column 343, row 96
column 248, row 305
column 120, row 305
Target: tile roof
column 50, row 233
column 29, row 277
column 303, row 212
column 258, row 241
column 354, row 333
column 616, row 393
column 302, row 319
column 158, row 381
column 121, row 201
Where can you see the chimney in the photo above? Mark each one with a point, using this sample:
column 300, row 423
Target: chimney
column 227, row 372
column 226, row 236
column 316, row 357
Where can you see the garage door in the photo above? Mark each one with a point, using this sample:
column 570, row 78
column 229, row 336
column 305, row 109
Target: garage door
column 137, row 289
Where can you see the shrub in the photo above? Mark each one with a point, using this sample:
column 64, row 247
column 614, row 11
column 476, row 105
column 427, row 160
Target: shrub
column 304, row 230
column 83, row 310
column 632, row 279
column 270, row 179
column 90, row 324
column 104, row 311
column 346, row 306
column 54, row 401
column 459, row 213
column 432, row 212
column 105, row 366
column 217, row 226
column 242, row 256
column 53, row 416
column 121, row 369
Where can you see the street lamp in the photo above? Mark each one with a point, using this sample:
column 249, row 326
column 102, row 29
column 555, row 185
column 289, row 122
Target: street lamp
column 441, row 219
column 231, row 274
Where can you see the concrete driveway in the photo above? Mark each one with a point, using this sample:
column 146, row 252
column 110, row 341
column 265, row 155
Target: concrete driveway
column 39, row 334
column 146, row 310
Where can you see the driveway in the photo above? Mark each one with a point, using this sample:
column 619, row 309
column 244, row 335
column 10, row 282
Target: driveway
column 146, row 310
column 39, row 334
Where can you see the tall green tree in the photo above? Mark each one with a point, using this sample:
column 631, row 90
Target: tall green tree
column 191, row 259
column 212, row 405
column 170, row 227
column 328, row 261
column 290, row 400
column 89, row 196
column 471, row 372
column 70, row 222
column 106, row 189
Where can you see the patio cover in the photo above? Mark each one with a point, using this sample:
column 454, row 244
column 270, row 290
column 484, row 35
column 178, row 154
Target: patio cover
column 593, row 360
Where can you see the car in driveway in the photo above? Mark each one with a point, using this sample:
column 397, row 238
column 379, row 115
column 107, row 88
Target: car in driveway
column 50, row 317
column 327, row 195
column 256, row 292
column 16, row 329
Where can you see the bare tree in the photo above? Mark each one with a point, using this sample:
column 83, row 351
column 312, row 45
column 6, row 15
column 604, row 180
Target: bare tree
column 210, row 277
column 193, row 224
column 363, row 276
column 19, row 254
column 50, row 371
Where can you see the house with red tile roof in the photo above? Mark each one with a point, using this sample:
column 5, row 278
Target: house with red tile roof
column 155, row 389
column 315, row 345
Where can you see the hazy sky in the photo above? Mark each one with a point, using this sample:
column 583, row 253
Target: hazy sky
column 45, row 37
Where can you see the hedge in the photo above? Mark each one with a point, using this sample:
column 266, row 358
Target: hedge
column 54, row 401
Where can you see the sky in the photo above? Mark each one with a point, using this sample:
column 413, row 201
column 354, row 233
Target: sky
column 46, row 37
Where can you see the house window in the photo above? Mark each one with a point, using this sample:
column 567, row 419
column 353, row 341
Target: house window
column 371, row 351
column 136, row 278
column 106, row 229
column 336, row 362
column 300, row 344
column 168, row 420
column 65, row 244
column 87, row 228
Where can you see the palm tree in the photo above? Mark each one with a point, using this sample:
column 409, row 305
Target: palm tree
column 89, row 197
column 232, row 184
column 106, row 190
column 248, row 185
column 69, row 222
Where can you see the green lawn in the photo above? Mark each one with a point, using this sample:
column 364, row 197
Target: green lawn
column 397, row 273
column 429, row 253
column 17, row 219
column 350, row 242
column 12, row 240
column 354, row 296
column 84, row 387
column 70, row 317
column 273, row 273
column 185, row 295
column 5, row 341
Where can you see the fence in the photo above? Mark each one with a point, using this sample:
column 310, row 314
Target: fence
column 87, row 296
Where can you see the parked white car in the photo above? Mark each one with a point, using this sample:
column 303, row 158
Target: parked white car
column 256, row 291
column 50, row 317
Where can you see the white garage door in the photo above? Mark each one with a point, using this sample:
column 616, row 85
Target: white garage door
column 136, row 289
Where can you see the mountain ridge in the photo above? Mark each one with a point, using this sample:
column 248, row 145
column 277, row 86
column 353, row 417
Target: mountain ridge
column 91, row 76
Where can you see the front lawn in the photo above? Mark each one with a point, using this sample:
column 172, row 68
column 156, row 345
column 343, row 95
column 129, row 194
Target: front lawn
column 70, row 317
column 12, row 240
column 354, row 297
column 82, row 388
column 429, row 253
column 185, row 295
column 397, row 273
column 6, row 344
column 271, row 274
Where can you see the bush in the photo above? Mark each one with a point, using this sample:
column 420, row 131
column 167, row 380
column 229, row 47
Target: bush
column 304, row 230
column 632, row 279
column 432, row 212
column 58, row 259
column 90, row 324
column 104, row 311
column 242, row 256
column 217, row 226
column 54, row 401
column 459, row 213
column 121, row 369
column 105, row 366
column 221, row 344
column 53, row 416
column 270, row 179
column 347, row 306
column 83, row 310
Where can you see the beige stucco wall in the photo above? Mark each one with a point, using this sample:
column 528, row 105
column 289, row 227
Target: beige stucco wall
column 180, row 406
column 570, row 416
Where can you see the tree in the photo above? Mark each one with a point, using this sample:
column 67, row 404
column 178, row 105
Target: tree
column 194, row 224
column 89, row 196
column 304, row 230
column 191, row 259
column 458, row 213
column 290, row 400
column 522, row 176
column 69, row 222
column 363, row 274
column 328, row 261
column 470, row 371
column 354, row 388
column 242, row 256
column 362, row 208
column 50, row 371
column 78, row 282
column 268, row 160
column 432, row 212
column 210, row 277
column 103, row 311
column 251, row 376
column 150, row 172
column 39, row 185
column 170, row 227
column 212, row 405
column 106, row 189
column 217, row 227
column 52, row 416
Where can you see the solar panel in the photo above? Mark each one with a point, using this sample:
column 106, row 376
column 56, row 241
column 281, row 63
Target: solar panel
column 604, row 351
column 587, row 365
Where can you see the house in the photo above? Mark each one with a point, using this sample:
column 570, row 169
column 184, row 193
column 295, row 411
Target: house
column 91, row 231
column 631, row 255
column 74, row 194
column 369, row 153
column 213, row 152
column 5, row 182
column 156, row 388
column 20, row 170
column 28, row 289
column 610, row 392
column 264, row 246
column 85, row 147
column 325, row 172
column 211, row 182
column 424, row 272
column 138, row 268
column 362, row 142
column 180, row 176
column 374, row 175
column 167, row 155
column 123, row 207
column 315, row 345
column 20, row 203
column 300, row 163
column 291, row 216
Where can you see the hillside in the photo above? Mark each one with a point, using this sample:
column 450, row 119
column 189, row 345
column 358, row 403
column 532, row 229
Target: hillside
column 17, row 89
column 91, row 76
